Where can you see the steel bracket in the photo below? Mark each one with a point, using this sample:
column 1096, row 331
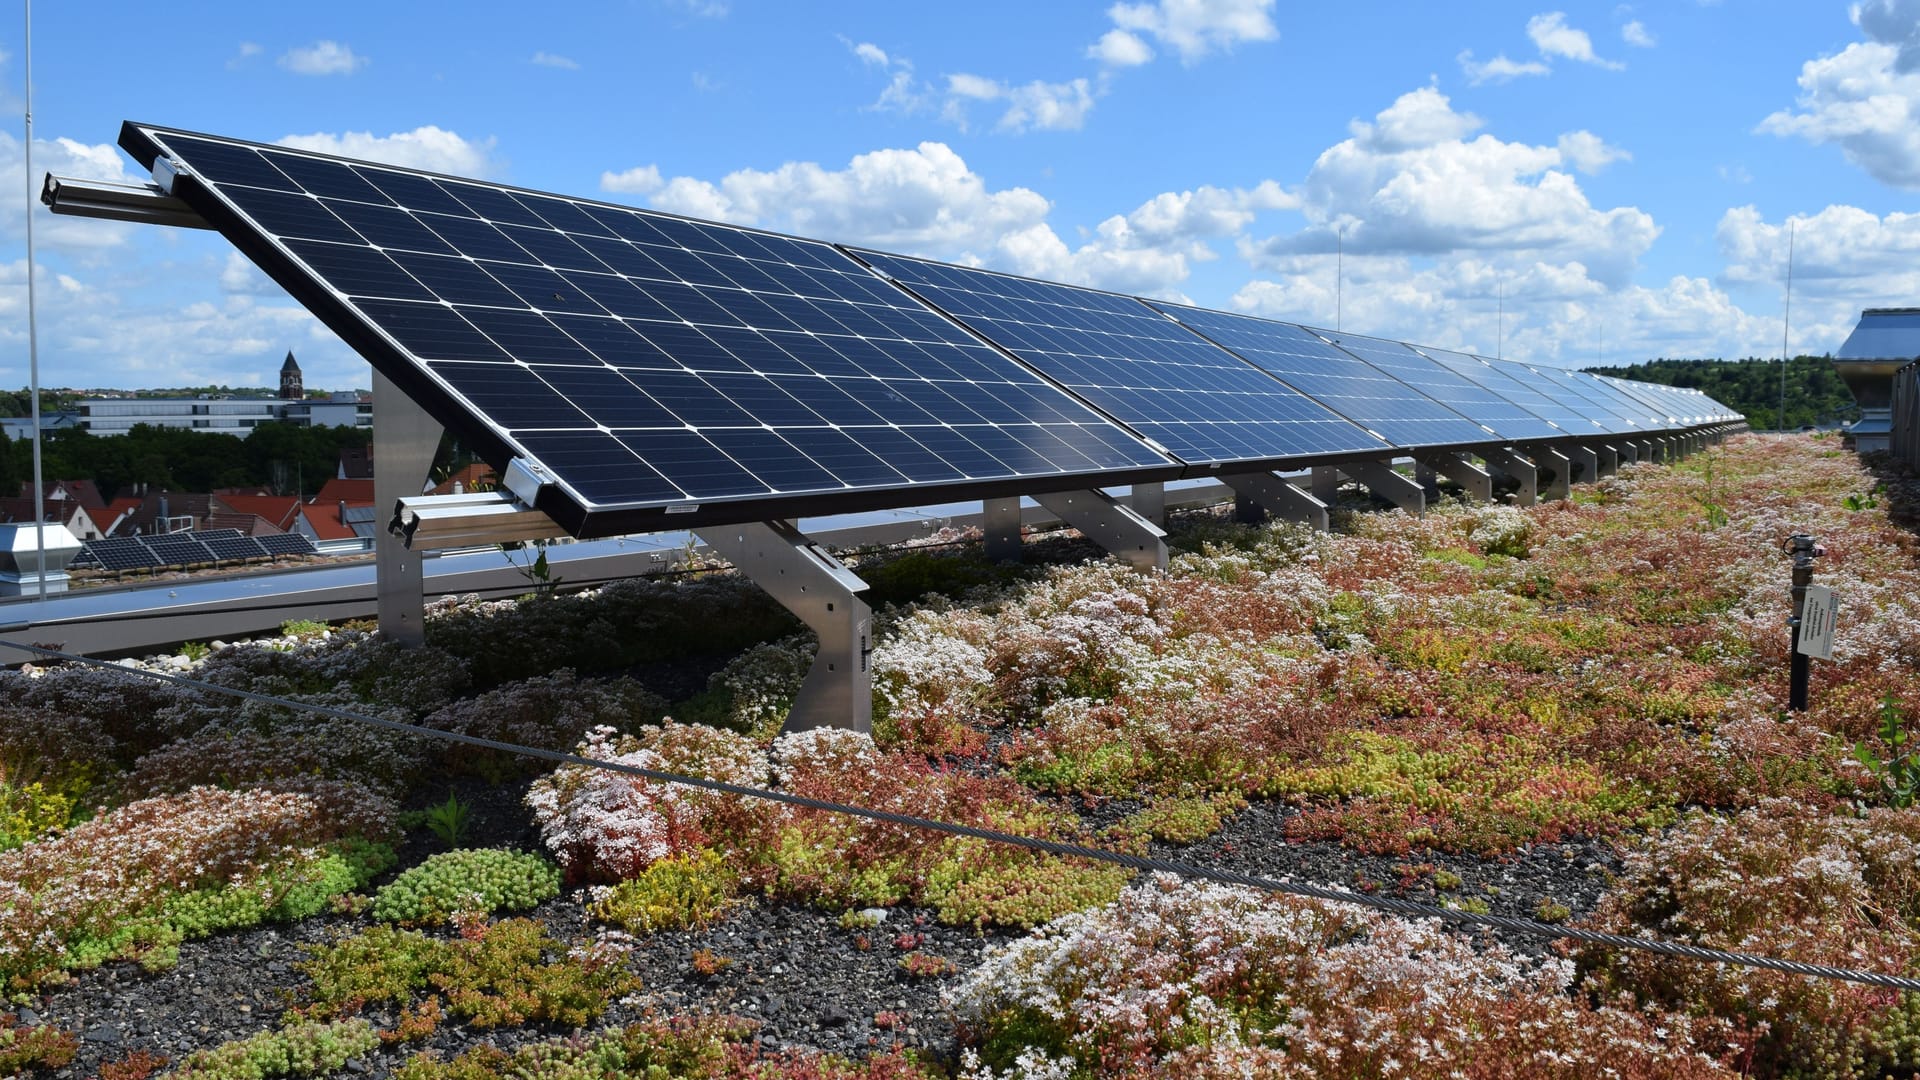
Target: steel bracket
column 1475, row 481
column 1123, row 533
column 407, row 439
column 1506, row 462
column 838, row 690
column 1280, row 497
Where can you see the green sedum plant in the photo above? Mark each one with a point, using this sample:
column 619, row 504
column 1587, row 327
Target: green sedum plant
column 681, row 892
column 303, row 1048
column 472, row 880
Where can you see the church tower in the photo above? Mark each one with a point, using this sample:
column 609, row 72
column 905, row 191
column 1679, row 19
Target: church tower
column 290, row 385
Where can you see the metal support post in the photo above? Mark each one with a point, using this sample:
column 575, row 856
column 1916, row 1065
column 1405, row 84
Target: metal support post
column 1149, row 501
column 1326, row 483
column 1476, row 482
column 1380, row 478
column 1000, row 519
column 1647, row 448
column 1586, row 464
column 1278, row 496
column 1424, row 475
column 1555, row 463
column 1804, row 550
column 1125, row 534
column 1609, row 460
column 838, row 690
column 404, row 441
column 1508, row 463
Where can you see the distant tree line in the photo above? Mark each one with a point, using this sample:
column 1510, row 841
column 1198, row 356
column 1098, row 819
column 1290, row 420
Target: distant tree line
column 1815, row 393
column 20, row 402
column 284, row 457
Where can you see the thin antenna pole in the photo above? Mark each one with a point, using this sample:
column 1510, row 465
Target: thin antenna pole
column 1500, row 325
column 1786, row 324
column 33, row 331
column 1339, row 272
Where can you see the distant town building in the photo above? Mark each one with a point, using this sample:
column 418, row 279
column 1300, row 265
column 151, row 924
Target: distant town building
column 234, row 416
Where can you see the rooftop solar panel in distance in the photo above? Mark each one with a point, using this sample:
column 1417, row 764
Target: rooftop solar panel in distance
column 286, row 544
column 657, row 368
column 178, row 549
column 1203, row 405
column 230, row 545
column 1400, row 414
column 122, row 553
column 1502, row 417
column 1629, row 408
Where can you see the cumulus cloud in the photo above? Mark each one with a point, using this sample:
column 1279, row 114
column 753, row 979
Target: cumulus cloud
column 1636, row 34
column 1895, row 23
column 431, row 148
column 1864, row 99
column 322, row 58
column 1842, row 252
column 1036, row 105
column 1416, row 180
column 1497, row 70
column 1120, row 48
column 1191, row 28
column 1553, row 37
column 639, row 180
column 77, row 237
column 555, row 60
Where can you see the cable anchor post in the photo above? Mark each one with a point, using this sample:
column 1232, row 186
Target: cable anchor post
column 1803, row 549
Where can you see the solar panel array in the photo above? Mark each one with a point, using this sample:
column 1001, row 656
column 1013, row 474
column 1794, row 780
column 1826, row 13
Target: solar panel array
column 661, row 371
column 188, row 548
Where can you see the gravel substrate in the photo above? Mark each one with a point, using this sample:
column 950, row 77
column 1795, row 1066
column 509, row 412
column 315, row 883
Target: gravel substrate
column 808, row 980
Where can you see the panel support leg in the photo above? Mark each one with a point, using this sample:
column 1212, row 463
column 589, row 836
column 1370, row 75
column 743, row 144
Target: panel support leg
column 1382, row 480
column 1510, row 464
column 1000, row 519
column 407, row 439
column 1473, row 480
column 838, row 690
column 1586, row 464
column 1150, row 502
column 1551, row 461
column 1125, row 534
column 1279, row 497
column 1609, row 460
column 1326, row 483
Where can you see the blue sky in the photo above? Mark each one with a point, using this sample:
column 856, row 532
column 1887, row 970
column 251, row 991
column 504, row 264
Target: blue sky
column 1557, row 183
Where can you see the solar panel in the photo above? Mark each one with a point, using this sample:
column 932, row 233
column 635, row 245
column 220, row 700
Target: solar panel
column 1521, row 393
column 230, row 545
column 1479, row 403
column 85, row 560
column 1637, row 415
column 286, row 544
column 1199, row 403
column 122, row 553
column 652, row 365
column 178, row 549
column 1597, row 419
column 1355, row 389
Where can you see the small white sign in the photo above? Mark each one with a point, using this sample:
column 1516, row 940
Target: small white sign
column 1816, row 622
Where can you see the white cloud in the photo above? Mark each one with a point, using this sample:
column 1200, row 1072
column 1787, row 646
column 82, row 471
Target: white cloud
column 246, row 51
column 1193, row 28
column 904, row 92
column 1416, row 181
column 239, row 275
column 1895, row 23
column 704, row 9
column 1862, row 101
column 1587, row 152
column 431, row 148
column 640, row 180
column 1119, row 48
column 322, row 58
column 1032, row 106
column 869, row 52
column 1553, row 37
column 555, row 60
column 1497, row 70
column 1842, row 252
column 1636, row 34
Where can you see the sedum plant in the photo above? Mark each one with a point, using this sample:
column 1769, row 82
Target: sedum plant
column 471, row 880
column 302, row 1048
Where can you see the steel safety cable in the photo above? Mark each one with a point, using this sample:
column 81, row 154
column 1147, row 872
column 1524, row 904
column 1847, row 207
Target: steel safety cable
column 1512, row 924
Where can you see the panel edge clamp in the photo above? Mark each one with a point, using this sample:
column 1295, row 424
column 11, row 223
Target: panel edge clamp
column 165, row 172
column 525, row 478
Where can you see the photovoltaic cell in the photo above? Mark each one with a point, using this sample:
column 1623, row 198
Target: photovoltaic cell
column 1630, row 415
column 286, row 544
column 121, row 553
column 649, row 363
column 230, row 545
column 1201, row 404
column 1597, row 420
column 1302, row 359
column 178, row 549
column 1500, row 415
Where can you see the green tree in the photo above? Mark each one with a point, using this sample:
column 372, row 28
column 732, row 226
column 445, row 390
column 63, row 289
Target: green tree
column 1815, row 393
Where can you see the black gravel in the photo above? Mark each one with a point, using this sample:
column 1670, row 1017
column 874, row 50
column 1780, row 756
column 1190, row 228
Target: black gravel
column 810, row 981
